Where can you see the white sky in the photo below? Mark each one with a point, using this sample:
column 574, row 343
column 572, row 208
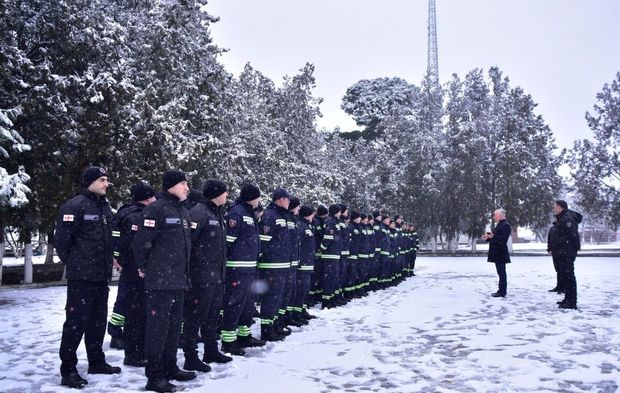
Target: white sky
column 560, row 51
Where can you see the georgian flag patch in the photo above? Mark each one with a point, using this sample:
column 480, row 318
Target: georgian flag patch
column 149, row 223
column 134, row 227
column 68, row 218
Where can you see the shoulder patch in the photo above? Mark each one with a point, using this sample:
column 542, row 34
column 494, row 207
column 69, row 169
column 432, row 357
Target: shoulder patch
column 194, row 225
column 331, row 231
column 266, row 229
column 232, row 223
column 134, row 227
column 68, row 218
column 149, row 223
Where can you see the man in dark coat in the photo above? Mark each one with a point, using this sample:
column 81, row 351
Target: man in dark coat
column 125, row 226
column 498, row 249
column 162, row 249
column 84, row 245
column 207, row 271
column 559, row 286
column 565, row 245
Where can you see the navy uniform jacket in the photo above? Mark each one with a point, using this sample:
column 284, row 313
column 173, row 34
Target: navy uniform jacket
column 356, row 245
column 291, row 222
column 241, row 236
column 565, row 239
column 498, row 245
column 163, row 244
column 345, row 238
column 208, row 259
column 318, row 225
column 275, row 237
column 124, row 228
column 332, row 242
column 306, row 245
column 83, row 238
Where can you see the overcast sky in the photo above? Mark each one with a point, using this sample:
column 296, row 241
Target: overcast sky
column 560, row 51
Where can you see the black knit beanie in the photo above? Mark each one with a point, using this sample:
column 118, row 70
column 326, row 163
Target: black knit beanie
column 91, row 174
column 141, row 191
column 172, row 178
column 214, row 188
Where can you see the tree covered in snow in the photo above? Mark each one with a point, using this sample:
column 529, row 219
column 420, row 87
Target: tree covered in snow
column 595, row 165
column 13, row 67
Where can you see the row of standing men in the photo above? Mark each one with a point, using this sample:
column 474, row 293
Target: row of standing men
column 189, row 270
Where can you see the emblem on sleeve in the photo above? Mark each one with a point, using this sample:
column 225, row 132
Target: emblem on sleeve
column 331, row 231
column 194, row 225
column 68, row 218
column 134, row 227
column 149, row 223
column 232, row 223
column 266, row 229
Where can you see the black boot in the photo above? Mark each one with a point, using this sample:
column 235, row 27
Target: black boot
column 281, row 329
column 181, row 375
column 193, row 363
column 134, row 361
column 159, row 385
column 290, row 320
column 103, row 368
column 213, row 355
column 232, row 348
column 297, row 317
column 249, row 342
column 267, row 333
column 568, row 305
column 117, row 343
column 73, row 380
column 306, row 315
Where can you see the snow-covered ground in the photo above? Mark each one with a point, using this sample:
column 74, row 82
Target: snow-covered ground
column 437, row 332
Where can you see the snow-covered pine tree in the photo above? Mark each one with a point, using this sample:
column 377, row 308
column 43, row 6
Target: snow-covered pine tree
column 595, row 164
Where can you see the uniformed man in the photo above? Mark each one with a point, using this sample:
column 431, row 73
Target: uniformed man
column 242, row 256
column 125, row 226
column 318, row 225
column 285, row 313
column 386, row 247
column 352, row 275
column 274, row 262
column 378, row 240
column 306, row 263
column 207, row 271
column 330, row 256
column 162, row 249
column 83, row 241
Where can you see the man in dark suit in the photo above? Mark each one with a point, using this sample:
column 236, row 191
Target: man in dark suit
column 498, row 249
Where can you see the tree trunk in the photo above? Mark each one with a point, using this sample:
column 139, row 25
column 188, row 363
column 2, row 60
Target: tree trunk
column 49, row 253
column 473, row 243
column 28, row 263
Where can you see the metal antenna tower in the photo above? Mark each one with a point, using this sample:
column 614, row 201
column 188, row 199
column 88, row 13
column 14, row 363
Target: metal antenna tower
column 433, row 64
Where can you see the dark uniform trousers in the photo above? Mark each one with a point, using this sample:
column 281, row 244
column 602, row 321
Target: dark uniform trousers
column 567, row 269
column 288, row 294
column 329, row 282
column 558, row 271
column 500, row 267
column 86, row 315
column 119, row 311
column 201, row 309
column 302, row 288
column 135, row 318
column 164, row 314
column 237, row 299
column 275, row 279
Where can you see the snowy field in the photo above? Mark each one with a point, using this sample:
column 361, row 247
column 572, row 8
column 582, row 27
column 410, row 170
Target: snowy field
column 437, row 332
